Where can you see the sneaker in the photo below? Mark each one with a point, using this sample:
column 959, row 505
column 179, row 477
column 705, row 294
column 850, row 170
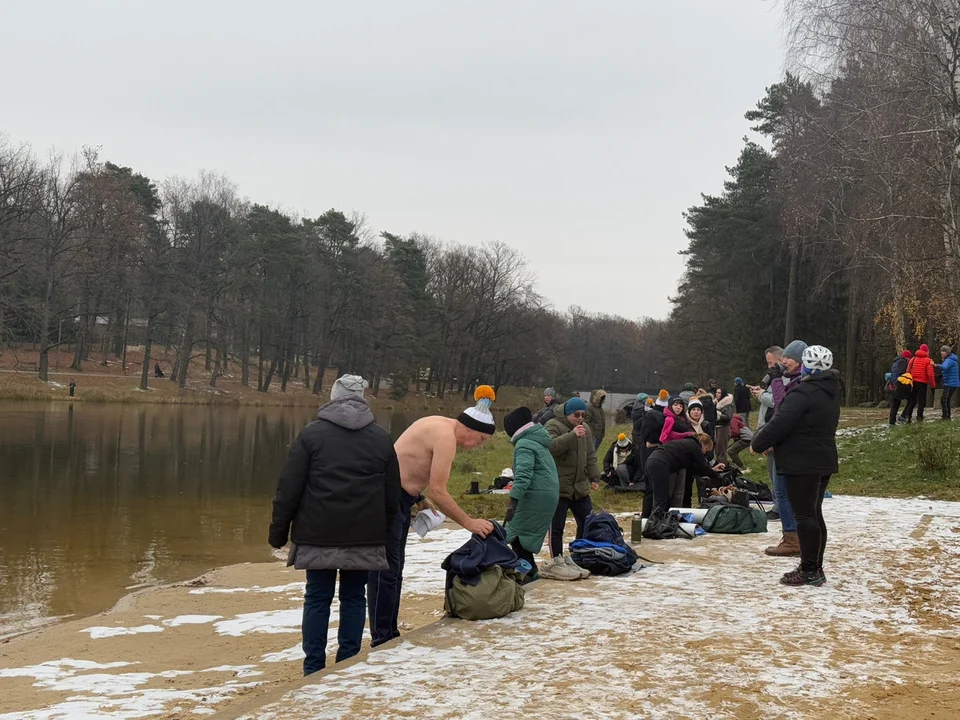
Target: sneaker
column 798, row 577
column 557, row 569
column 584, row 573
column 773, row 515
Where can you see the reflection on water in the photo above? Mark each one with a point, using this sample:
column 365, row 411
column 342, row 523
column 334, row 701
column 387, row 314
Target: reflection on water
column 97, row 500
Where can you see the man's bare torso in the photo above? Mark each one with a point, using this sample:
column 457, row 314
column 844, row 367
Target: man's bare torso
column 415, row 449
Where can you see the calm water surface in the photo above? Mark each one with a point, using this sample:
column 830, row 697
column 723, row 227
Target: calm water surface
column 98, row 500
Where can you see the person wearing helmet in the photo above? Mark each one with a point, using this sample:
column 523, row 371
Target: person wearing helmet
column 803, row 436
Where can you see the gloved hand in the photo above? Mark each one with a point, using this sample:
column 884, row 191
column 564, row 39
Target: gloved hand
column 511, row 509
column 277, row 539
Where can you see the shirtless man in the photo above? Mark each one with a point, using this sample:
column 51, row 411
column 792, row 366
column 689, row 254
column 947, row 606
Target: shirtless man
column 426, row 451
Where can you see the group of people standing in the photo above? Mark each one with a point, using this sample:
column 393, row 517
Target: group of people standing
column 913, row 376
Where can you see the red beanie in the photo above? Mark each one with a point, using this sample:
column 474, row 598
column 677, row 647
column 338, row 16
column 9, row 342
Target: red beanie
column 906, row 354
column 925, row 348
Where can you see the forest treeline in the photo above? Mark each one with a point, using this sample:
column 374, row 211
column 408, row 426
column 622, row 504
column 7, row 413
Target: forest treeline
column 841, row 228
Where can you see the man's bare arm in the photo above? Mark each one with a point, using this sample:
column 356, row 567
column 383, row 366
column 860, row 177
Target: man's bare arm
column 443, row 455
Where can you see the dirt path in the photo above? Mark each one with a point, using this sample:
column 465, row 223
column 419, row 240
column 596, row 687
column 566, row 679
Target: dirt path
column 693, row 637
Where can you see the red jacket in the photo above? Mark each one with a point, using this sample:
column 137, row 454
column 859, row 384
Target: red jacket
column 921, row 367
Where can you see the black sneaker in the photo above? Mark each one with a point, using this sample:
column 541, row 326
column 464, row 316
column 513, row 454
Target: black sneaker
column 798, row 577
column 773, row 515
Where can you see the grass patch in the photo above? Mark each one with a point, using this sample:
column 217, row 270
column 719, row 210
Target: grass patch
column 906, row 461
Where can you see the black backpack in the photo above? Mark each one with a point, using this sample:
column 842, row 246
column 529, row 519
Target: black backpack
column 756, row 490
column 662, row 525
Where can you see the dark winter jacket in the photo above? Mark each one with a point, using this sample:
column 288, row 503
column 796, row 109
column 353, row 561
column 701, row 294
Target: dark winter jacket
column 546, row 413
column 595, row 417
column 899, row 367
column 741, row 399
column 951, row 376
column 617, row 456
column 469, row 560
column 340, row 486
column 803, row 433
column 576, row 457
column 709, row 409
column 683, row 454
column 639, row 412
column 921, row 367
column 651, row 426
column 675, row 427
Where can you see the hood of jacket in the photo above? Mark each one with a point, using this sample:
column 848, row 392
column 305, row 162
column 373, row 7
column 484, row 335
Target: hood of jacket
column 597, row 397
column 922, row 353
column 351, row 413
column 537, row 434
column 724, row 401
column 827, row 381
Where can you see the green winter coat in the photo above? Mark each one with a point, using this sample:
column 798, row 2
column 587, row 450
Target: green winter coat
column 595, row 419
column 576, row 458
column 536, row 488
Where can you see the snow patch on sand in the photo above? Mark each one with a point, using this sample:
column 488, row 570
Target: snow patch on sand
column 97, row 633
column 267, row 621
column 191, row 620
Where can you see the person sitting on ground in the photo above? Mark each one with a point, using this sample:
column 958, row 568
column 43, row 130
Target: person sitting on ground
column 951, row 380
column 741, row 400
column 621, row 464
column 536, row 487
column 921, row 370
column 803, row 433
column 574, row 452
column 741, row 435
column 340, row 489
column 725, row 412
column 901, row 391
column 426, row 451
column 550, row 402
column 668, row 461
column 595, row 419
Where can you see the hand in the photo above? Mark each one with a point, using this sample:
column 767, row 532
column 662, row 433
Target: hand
column 595, row 486
column 753, row 452
column 511, row 509
column 580, row 431
column 479, row 527
column 276, row 541
column 720, row 467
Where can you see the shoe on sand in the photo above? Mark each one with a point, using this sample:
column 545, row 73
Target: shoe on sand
column 789, row 546
column 557, row 569
column 798, row 577
column 568, row 561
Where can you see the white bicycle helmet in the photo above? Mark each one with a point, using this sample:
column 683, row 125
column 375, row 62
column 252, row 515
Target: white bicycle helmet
column 817, row 358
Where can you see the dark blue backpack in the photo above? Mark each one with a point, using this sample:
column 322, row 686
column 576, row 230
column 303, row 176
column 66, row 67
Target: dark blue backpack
column 603, row 549
column 602, row 527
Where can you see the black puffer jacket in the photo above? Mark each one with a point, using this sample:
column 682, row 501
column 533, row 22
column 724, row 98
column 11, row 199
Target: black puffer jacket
column 803, row 433
column 340, row 486
column 685, row 454
column 651, row 426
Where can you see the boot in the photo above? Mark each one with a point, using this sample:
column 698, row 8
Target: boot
column 474, row 488
column 789, row 546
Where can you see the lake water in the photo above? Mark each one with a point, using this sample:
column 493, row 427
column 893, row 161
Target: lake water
column 97, row 500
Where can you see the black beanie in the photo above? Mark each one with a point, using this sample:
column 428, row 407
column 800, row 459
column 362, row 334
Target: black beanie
column 517, row 419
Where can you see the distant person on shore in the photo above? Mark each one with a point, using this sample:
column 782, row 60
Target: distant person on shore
column 595, row 418
column 725, row 412
column 921, row 369
column 157, row 372
column 901, row 390
column 951, row 380
column 536, row 487
column 575, row 454
column 803, row 434
column 550, row 402
column 339, row 488
column 73, row 387
column 426, row 452
column 741, row 400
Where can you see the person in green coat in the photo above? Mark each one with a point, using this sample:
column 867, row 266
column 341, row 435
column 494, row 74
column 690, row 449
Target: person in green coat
column 574, row 452
column 536, row 487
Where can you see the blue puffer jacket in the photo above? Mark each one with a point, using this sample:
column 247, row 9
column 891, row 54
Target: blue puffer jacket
column 951, row 371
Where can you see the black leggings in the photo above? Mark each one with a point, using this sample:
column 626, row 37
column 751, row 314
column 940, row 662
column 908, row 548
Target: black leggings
column 524, row 554
column 581, row 508
column 805, row 493
column 658, row 485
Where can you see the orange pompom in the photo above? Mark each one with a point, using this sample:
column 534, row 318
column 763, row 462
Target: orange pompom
column 663, row 395
column 484, row 392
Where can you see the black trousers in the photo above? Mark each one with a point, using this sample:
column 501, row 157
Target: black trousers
column 658, row 485
column 805, row 493
column 894, row 409
column 945, row 400
column 581, row 508
column 524, row 554
column 918, row 400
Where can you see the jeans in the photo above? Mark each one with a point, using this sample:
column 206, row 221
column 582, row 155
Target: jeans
column 806, row 498
column 316, row 615
column 788, row 523
column 581, row 508
column 385, row 585
column 918, row 400
column 945, row 400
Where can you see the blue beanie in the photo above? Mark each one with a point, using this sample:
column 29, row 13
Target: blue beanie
column 738, row 381
column 574, row 405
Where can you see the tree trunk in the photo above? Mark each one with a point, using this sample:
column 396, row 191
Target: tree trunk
column 126, row 334
column 187, row 351
column 147, row 347
column 850, row 371
column 45, row 332
column 791, row 296
column 79, row 351
column 245, row 354
column 208, row 354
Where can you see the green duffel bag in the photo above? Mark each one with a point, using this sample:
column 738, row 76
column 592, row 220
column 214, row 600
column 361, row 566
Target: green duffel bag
column 734, row 520
column 497, row 594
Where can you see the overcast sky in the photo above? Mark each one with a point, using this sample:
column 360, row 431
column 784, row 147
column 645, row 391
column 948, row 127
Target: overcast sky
column 576, row 131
